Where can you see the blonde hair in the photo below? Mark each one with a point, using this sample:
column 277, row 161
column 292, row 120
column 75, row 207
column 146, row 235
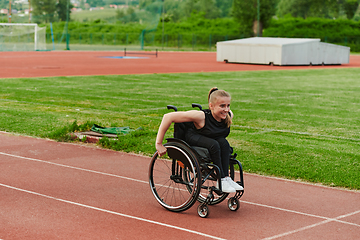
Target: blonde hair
column 214, row 94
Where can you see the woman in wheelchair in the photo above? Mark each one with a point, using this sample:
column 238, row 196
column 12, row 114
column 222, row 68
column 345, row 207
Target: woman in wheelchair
column 210, row 127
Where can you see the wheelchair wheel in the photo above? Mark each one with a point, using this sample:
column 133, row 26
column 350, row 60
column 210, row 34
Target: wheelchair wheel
column 233, row 204
column 203, row 210
column 167, row 181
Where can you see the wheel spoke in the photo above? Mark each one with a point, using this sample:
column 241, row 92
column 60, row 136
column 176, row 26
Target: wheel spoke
column 170, row 180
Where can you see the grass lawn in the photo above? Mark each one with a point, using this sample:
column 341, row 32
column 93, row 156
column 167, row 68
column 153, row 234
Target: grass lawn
column 301, row 124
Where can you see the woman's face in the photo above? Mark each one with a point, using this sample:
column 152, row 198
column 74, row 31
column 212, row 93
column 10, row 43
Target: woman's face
column 220, row 108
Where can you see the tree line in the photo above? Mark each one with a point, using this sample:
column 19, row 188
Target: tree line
column 251, row 15
column 246, row 12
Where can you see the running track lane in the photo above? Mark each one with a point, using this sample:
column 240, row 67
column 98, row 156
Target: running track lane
column 74, row 63
column 53, row 190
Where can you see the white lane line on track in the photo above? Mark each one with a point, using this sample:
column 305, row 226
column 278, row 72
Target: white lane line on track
column 112, row 212
column 297, row 230
column 77, row 168
column 308, row 214
column 315, row 225
column 141, row 181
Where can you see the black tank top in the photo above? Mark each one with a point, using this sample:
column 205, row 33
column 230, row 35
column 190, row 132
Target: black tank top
column 212, row 128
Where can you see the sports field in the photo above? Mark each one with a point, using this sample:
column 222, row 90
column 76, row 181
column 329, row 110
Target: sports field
column 298, row 123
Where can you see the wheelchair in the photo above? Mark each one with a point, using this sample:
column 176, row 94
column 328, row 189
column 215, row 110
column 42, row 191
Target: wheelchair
column 188, row 175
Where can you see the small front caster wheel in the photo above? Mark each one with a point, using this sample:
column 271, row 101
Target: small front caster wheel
column 233, row 204
column 203, row 210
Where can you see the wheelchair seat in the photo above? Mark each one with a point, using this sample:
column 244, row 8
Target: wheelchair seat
column 203, row 153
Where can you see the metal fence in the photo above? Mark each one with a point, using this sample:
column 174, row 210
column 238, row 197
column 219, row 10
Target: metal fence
column 153, row 40
column 100, row 41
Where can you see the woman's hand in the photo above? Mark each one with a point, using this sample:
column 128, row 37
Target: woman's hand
column 160, row 149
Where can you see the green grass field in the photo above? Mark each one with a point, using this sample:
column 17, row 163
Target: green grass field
column 297, row 124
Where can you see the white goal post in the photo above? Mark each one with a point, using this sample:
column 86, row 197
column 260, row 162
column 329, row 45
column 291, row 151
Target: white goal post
column 22, row 37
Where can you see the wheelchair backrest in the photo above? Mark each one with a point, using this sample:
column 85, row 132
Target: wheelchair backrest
column 181, row 128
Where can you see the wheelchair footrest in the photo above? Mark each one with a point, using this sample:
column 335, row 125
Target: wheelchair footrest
column 239, row 194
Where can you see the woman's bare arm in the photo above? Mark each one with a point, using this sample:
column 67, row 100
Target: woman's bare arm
column 197, row 117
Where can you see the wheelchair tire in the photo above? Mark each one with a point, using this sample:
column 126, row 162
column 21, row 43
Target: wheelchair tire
column 167, row 178
column 233, row 204
column 203, row 210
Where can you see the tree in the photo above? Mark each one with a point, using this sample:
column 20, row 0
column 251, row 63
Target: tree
column 224, row 7
column 145, row 3
column 62, row 9
column 245, row 12
column 173, row 10
column 350, row 7
column 43, row 10
column 4, row 3
column 209, row 8
column 189, row 6
column 96, row 3
column 317, row 8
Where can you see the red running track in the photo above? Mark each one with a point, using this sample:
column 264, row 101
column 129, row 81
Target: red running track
column 51, row 190
column 73, row 63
